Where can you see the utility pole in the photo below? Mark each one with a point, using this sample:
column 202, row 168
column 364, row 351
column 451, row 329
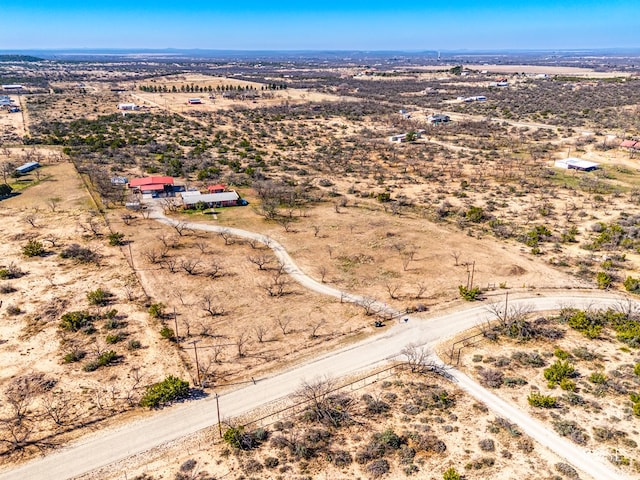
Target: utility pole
column 218, row 411
column 175, row 323
column 506, row 305
column 473, row 270
column 195, row 351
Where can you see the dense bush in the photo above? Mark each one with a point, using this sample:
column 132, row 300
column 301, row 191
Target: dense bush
column 558, row 371
column 536, row 399
column 98, row 297
column 116, row 239
column 33, row 248
column 451, row 474
column 169, row 390
column 469, row 294
column 74, row 321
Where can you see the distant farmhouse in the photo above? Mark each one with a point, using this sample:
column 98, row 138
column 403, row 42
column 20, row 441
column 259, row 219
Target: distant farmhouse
column 194, row 101
column 128, row 106
column 630, row 145
column 438, row 118
column 12, row 87
column 401, row 138
column 572, row 163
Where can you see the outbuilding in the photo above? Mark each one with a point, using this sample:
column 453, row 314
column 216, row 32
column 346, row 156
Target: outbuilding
column 128, row 106
column 224, row 199
column 194, row 101
column 27, row 167
column 573, row 163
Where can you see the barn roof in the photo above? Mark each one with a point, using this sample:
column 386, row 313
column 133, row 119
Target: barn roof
column 138, row 182
column 628, row 143
column 154, row 187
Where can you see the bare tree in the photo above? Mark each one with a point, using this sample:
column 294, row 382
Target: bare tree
column 58, row 407
column 323, row 270
column 202, row 246
column 241, row 343
column 315, row 326
column 215, row 269
column 262, row 261
column 127, row 218
column 169, row 241
column 283, row 323
column 226, row 236
column 181, row 228
column 171, row 263
column 31, row 219
column 407, row 257
column 277, row 285
column 421, row 287
column 324, row 404
column 191, row 265
column 53, row 203
column 316, row 230
column 210, row 304
column 216, row 351
column 260, row 331
column 52, row 239
column 419, row 359
column 369, row 305
column 154, row 255
column 456, row 256
column 392, row 289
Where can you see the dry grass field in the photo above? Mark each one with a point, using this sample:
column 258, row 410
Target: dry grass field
column 473, row 203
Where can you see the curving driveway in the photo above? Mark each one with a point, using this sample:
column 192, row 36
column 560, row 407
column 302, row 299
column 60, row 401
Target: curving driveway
column 109, row 446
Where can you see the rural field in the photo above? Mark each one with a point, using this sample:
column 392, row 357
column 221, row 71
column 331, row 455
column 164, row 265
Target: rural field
column 108, row 314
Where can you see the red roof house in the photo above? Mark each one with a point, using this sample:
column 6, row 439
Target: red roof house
column 139, row 182
column 628, row 144
column 216, row 188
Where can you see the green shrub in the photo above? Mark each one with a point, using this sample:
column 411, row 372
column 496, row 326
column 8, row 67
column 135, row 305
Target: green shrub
column 604, row 280
column 74, row 356
column 169, row 390
column 469, row 294
column 156, row 310
column 561, row 354
column 98, row 297
column 33, row 248
column 116, row 239
column 536, row 399
column 74, row 321
column 636, row 369
column 598, row 378
column 168, row 333
column 107, row 358
column 114, row 338
column 451, row 474
column 558, row 371
column 632, row 285
column 590, row 325
column 568, row 385
column 134, row 344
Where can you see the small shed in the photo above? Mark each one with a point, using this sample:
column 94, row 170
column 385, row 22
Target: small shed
column 572, row 163
column 194, row 101
column 628, row 144
column 216, row 188
column 128, row 106
column 27, row 167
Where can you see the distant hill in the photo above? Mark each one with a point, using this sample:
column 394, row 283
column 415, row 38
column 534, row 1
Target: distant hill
column 19, row 58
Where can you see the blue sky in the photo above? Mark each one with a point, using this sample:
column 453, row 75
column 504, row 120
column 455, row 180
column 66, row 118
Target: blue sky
column 333, row 24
